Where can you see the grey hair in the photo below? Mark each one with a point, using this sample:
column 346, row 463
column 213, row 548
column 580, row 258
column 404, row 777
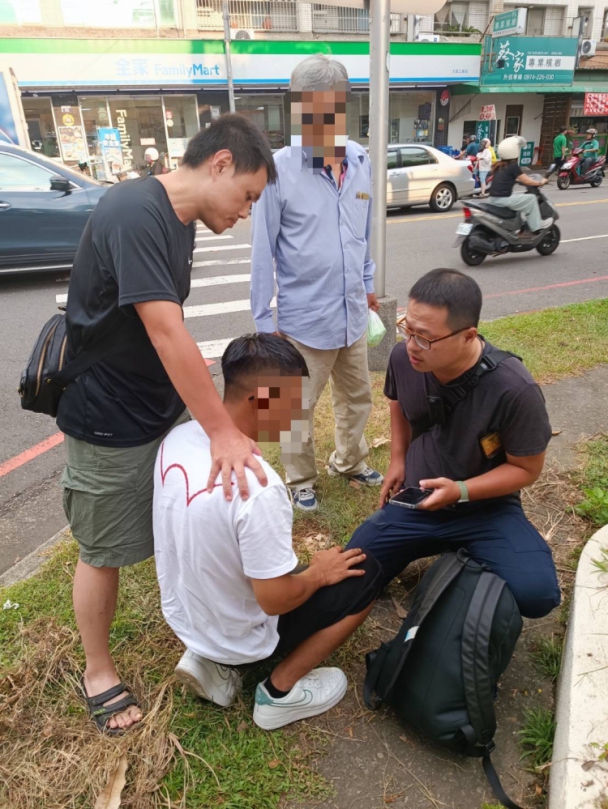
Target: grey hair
column 318, row 72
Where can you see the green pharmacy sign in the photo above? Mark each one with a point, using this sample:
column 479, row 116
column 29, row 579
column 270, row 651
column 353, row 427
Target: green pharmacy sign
column 528, row 61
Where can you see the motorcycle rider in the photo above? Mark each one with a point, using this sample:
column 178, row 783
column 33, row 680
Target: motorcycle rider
column 470, row 150
column 505, row 174
column 153, row 164
column 591, row 150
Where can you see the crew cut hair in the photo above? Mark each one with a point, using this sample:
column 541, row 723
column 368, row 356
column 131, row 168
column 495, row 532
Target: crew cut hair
column 248, row 145
column 318, row 72
column 451, row 290
column 254, row 354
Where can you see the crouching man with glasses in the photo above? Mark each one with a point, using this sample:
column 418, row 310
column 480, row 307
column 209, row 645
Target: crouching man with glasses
column 469, row 424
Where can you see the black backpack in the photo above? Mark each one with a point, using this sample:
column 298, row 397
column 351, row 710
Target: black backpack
column 439, row 673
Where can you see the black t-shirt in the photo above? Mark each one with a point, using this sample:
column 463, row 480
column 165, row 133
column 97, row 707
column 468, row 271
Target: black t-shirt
column 504, row 179
column 133, row 249
column 506, row 411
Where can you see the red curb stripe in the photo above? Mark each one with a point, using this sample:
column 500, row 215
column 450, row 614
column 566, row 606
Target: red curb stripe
column 30, row 454
column 550, row 286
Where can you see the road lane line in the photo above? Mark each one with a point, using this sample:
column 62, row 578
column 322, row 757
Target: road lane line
column 221, row 262
column 223, row 308
column 30, row 454
column 214, row 348
column 211, row 238
column 542, row 289
column 218, row 247
column 218, row 280
column 584, row 238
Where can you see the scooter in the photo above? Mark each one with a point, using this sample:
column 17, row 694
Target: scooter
column 570, row 171
column 489, row 230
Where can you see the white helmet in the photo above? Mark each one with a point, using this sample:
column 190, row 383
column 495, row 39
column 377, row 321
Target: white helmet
column 152, row 153
column 510, row 148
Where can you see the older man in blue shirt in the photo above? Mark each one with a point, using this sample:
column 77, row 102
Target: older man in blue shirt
column 313, row 227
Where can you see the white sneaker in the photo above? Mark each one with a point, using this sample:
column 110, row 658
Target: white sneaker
column 208, row 680
column 545, row 223
column 311, row 695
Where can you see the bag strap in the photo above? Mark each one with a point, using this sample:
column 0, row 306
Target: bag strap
column 451, row 395
column 88, row 357
column 475, row 652
column 394, row 658
column 476, row 635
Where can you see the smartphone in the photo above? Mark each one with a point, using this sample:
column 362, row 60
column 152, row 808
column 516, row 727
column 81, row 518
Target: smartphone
column 410, row 497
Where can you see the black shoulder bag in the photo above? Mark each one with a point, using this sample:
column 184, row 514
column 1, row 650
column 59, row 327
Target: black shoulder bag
column 46, row 375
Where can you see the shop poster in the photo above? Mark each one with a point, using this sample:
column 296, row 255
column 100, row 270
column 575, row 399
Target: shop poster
column 73, row 145
column 111, row 150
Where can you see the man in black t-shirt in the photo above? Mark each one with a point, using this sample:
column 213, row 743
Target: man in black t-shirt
column 131, row 276
column 491, row 444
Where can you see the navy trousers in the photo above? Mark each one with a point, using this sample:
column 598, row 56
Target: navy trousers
column 499, row 536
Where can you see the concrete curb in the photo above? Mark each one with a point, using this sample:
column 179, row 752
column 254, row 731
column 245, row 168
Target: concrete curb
column 579, row 778
column 27, row 567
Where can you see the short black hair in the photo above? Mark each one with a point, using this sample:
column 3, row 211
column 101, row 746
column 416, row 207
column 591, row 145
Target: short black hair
column 255, row 354
column 247, row 143
column 452, row 290
column 563, row 129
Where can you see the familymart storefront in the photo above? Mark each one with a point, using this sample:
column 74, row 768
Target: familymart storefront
column 105, row 102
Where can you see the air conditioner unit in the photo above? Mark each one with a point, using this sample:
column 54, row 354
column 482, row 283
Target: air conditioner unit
column 242, row 33
column 588, row 47
column 428, row 38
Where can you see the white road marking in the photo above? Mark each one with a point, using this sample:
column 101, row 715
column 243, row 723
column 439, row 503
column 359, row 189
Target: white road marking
column 220, row 308
column 221, row 261
column 218, row 280
column 222, row 247
column 211, row 349
column 585, row 238
column 212, row 238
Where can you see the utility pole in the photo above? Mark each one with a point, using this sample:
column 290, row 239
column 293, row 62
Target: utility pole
column 226, row 16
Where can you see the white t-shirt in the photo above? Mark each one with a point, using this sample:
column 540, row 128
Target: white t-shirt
column 207, row 549
column 485, row 160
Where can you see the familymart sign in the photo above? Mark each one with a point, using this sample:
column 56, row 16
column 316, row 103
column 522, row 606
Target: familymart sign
column 182, row 63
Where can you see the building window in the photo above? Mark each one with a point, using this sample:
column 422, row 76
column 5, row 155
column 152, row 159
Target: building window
column 267, row 112
column 38, row 115
column 587, row 15
column 456, row 18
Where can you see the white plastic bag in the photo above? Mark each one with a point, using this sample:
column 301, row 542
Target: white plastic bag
column 375, row 329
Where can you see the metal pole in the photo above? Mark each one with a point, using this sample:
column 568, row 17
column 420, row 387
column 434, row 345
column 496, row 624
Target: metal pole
column 226, row 15
column 378, row 134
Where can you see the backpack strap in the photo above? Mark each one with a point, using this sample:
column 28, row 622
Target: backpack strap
column 391, row 657
column 476, row 635
column 441, row 407
column 88, row 357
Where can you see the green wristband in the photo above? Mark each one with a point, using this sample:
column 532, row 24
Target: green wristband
column 464, row 492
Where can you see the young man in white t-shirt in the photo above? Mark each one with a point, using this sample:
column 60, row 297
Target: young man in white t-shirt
column 227, row 571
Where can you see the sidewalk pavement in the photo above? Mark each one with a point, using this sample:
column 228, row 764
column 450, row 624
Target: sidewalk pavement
column 373, row 762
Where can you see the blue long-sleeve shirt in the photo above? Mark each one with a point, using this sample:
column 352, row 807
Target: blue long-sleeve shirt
column 316, row 237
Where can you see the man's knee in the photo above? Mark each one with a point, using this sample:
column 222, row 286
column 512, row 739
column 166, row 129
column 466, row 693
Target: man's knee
column 538, row 594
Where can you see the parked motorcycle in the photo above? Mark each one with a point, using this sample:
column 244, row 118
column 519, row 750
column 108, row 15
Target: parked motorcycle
column 490, row 230
column 570, row 171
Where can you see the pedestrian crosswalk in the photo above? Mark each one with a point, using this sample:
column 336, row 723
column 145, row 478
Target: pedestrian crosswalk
column 218, row 308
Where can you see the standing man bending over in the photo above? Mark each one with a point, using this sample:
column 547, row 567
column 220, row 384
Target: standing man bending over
column 313, row 227
column 130, row 278
column 227, row 571
column 475, row 445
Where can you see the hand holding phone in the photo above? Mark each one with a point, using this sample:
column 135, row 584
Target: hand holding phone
column 410, row 497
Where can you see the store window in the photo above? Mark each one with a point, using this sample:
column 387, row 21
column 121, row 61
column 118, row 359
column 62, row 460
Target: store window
column 267, row 112
column 411, row 117
column 95, row 117
column 141, row 124
column 181, row 119
column 38, row 114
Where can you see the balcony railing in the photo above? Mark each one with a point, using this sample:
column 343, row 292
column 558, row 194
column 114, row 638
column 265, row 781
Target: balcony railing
column 282, row 15
column 275, row 15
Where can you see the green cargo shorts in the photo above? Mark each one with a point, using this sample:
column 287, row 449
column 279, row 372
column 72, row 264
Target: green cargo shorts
column 107, row 498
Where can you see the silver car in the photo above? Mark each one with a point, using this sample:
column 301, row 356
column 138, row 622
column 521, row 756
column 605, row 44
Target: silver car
column 421, row 175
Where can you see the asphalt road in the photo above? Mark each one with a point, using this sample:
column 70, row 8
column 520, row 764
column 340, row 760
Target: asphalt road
column 417, row 241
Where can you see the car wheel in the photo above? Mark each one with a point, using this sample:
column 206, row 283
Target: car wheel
column 470, row 256
column 563, row 182
column 550, row 242
column 443, row 198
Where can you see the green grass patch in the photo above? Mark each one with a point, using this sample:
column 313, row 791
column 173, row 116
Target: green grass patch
column 547, row 657
column 555, row 343
column 594, row 482
column 536, row 737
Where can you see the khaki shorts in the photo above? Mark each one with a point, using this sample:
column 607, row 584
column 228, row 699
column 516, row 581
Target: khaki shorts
column 107, row 498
